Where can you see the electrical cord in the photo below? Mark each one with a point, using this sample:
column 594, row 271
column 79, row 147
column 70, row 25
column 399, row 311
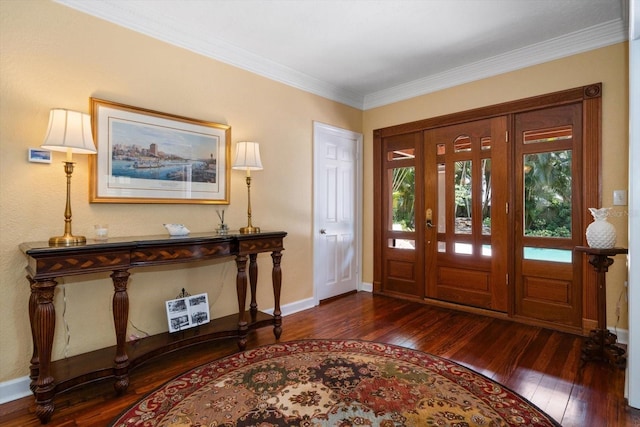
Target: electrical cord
column 135, row 337
column 132, row 337
column 64, row 320
column 623, row 293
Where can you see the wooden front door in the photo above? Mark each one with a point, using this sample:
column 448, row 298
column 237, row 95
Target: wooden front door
column 483, row 208
column 466, row 195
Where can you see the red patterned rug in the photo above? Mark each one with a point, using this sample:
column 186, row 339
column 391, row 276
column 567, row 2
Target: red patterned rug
column 332, row 383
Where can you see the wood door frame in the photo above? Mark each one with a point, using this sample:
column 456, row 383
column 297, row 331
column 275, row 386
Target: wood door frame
column 591, row 98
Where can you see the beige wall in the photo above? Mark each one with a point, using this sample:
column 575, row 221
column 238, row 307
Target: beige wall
column 608, row 65
column 53, row 56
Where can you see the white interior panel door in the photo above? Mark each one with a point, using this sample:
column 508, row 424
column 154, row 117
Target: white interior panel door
column 337, row 198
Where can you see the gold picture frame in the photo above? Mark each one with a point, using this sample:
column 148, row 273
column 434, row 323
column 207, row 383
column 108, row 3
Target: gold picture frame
column 146, row 156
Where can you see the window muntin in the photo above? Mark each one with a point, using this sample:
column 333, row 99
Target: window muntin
column 470, row 159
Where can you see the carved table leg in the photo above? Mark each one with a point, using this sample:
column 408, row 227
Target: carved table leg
column 241, row 289
column 34, row 364
column 276, row 278
column 120, row 319
column 44, row 321
column 253, row 282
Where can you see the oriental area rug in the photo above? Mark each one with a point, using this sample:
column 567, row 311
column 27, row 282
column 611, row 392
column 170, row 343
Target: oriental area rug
column 332, row 383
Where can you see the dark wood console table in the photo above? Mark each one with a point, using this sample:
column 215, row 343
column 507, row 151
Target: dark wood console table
column 601, row 343
column 118, row 255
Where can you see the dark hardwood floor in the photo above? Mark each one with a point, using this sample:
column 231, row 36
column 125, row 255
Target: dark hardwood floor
column 541, row 365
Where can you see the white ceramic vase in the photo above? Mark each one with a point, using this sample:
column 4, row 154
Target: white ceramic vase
column 601, row 233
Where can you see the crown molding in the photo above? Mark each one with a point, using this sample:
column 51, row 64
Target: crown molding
column 161, row 27
column 595, row 37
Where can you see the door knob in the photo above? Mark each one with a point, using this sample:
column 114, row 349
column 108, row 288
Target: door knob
column 323, row 231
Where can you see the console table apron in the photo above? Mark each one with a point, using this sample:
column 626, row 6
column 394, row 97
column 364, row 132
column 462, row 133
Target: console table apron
column 118, row 255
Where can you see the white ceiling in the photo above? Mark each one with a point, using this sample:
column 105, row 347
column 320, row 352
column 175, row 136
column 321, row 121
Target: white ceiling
column 367, row 53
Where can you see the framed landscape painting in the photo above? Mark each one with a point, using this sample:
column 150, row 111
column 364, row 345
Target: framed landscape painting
column 145, row 156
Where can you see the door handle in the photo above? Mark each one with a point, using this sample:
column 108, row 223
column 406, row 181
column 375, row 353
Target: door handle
column 323, row 231
column 429, row 216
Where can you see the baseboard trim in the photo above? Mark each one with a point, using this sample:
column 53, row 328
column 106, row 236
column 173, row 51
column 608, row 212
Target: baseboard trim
column 622, row 334
column 18, row 388
column 14, row 389
column 366, row 287
column 293, row 307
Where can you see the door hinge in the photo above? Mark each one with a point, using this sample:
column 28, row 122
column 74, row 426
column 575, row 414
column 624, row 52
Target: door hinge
column 506, row 208
column 506, row 136
column 506, row 279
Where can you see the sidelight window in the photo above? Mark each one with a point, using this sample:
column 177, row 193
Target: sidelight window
column 403, row 198
column 547, row 193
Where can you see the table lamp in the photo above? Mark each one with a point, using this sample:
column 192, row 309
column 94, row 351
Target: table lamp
column 248, row 158
column 69, row 131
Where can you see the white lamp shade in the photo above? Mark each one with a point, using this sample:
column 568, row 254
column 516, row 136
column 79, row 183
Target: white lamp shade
column 247, row 156
column 69, row 130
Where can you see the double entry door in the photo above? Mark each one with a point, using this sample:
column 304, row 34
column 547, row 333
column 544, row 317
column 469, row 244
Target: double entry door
column 486, row 214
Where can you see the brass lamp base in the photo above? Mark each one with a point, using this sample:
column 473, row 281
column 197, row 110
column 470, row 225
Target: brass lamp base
column 249, row 230
column 67, row 240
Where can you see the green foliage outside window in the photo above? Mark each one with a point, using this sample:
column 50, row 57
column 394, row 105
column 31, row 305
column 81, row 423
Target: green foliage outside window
column 547, row 194
column 404, row 198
